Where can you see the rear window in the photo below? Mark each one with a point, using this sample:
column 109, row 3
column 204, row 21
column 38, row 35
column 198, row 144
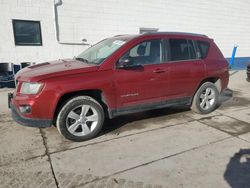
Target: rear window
column 181, row 49
column 203, row 48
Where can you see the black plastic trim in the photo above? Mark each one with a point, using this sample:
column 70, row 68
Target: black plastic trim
column 150, row 106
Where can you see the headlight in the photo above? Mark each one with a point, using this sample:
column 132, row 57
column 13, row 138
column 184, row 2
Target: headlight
column 30, row 88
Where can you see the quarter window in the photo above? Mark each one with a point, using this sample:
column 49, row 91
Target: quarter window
column 27, row 32
column 203, row 48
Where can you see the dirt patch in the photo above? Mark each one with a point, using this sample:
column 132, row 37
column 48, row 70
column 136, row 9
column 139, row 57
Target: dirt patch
column 227, row 124
column 230, row 98
column 4, row 118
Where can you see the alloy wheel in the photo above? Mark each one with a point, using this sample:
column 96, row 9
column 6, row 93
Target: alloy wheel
column 82, row 120
column 207, row 98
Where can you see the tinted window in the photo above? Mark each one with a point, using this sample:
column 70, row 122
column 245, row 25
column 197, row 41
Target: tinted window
column 181, row 49
column 192, row 54
column 147, row 52
column 27, row 32
column 178, row 49
column 203, row 47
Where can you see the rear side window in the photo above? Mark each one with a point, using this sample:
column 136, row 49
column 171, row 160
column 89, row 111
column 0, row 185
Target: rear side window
column 203, row 48
column 181, row 49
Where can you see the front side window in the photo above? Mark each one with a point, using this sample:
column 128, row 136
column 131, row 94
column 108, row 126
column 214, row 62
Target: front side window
column 27, row 32
column 147, row 52
column 99, row 52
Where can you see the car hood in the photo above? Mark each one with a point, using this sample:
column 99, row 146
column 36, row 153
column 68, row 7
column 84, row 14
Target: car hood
column 51, row 69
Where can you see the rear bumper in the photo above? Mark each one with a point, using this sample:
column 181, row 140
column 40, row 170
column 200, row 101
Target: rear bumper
column 40, row 123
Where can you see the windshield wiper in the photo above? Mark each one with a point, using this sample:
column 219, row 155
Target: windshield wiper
column 82, row 59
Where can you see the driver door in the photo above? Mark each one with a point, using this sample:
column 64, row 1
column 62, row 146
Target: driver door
column 141, row 80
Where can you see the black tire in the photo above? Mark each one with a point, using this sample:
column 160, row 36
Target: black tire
column 76, row 103
column 197, row 101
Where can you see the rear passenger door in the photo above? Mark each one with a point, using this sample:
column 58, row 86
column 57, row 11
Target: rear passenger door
column 186, row 68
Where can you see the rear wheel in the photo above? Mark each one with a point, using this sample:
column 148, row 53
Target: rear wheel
column 205, row 99
column 81, row 118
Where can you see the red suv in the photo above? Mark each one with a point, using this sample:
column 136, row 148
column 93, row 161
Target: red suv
column 120, row 75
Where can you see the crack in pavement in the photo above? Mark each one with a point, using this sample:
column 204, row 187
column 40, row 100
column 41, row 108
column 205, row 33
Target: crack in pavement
column 120, row 137
column 242, row 139
column 236, row 119
column 48, row 155
column 232, row 134
column 153, row 161
column 44, row 138
column 23, row 160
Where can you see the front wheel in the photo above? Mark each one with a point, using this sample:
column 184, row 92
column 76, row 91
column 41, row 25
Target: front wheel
column 205, row 99
column 81, row 118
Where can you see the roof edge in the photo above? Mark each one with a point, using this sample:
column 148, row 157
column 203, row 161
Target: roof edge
column 177, row 33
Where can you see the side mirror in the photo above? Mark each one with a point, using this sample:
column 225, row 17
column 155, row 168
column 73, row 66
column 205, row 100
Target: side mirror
column 125, row 63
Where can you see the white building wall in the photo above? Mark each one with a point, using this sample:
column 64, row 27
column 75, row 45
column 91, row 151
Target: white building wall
column 227, row 21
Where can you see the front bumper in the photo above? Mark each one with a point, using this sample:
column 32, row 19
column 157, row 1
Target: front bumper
column 30, row 122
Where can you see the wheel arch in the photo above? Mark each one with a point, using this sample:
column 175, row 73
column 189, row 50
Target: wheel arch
column 215, row 80
column 96, row 94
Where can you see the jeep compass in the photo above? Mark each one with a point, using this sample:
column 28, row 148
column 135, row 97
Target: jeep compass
column 120, row 75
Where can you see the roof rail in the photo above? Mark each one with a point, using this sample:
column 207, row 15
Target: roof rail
column 177, row 33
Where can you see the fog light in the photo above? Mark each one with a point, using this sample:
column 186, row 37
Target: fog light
column 25, row 109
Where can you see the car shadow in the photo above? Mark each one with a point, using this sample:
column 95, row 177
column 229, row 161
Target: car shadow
column 237, row 173
column 111, row 125
column 227, row 99
column 121, row 122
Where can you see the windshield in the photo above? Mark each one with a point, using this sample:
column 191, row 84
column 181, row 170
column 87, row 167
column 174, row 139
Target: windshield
column 99, row 52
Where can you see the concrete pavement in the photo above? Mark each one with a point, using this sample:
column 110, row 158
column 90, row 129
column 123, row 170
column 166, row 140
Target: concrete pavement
column 171, row 147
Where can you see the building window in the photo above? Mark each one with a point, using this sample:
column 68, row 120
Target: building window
column 27, row 33
column 148, row 30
